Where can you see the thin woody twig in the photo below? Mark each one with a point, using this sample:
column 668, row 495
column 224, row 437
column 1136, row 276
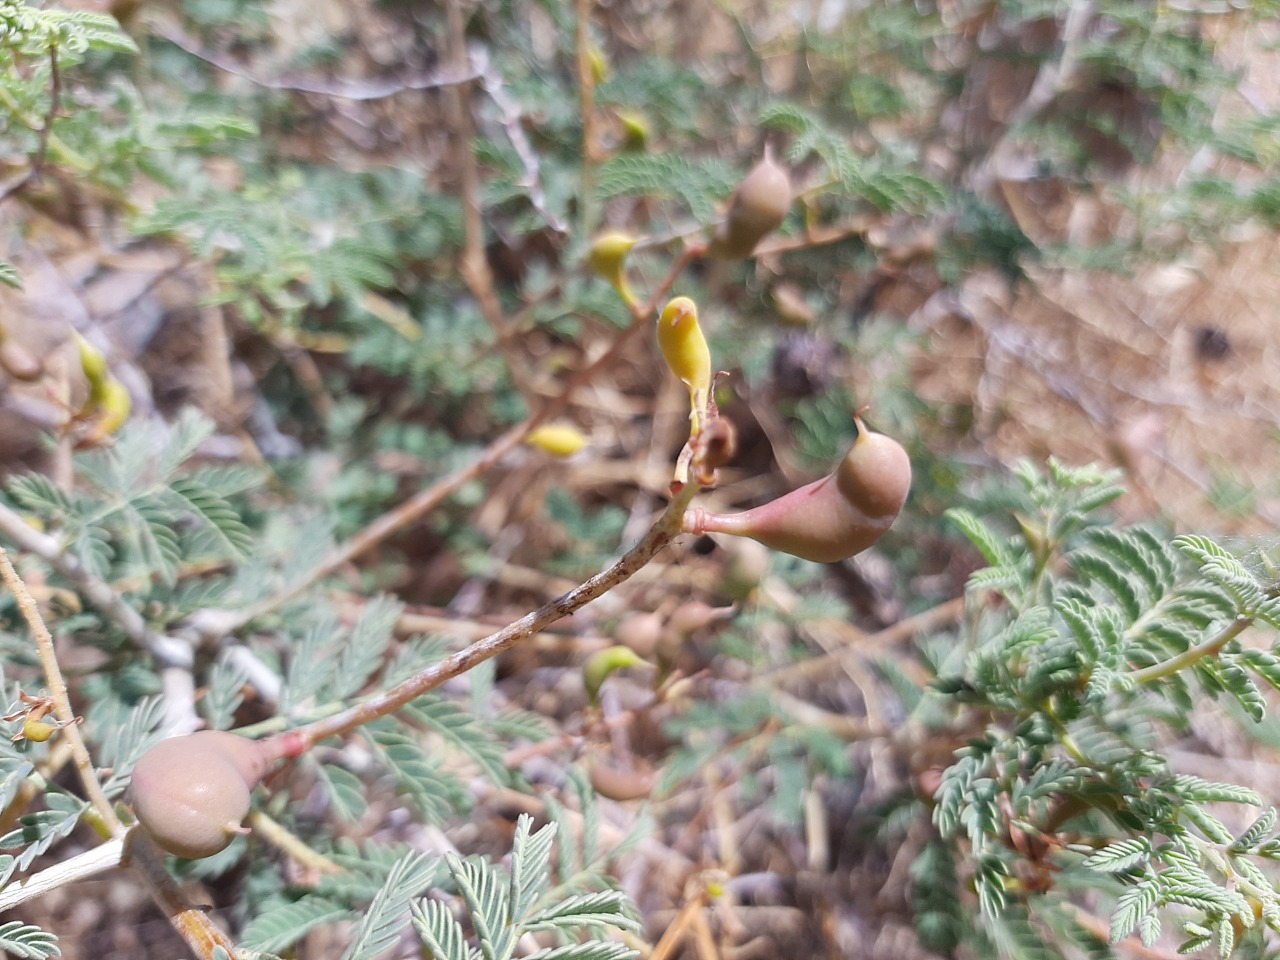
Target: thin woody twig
column 474, row 263
column 587, row 108
column 491, row 80
column 338, row 89
column 931, row 619
column 1055, row 75
column 58, row 690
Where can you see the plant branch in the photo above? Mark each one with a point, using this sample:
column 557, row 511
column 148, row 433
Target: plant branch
column 46, row 130
column 1055, row 75
column 273, row 833
column 511, row 120
column 58, row 690
column 667, row 527
column 474, row 263
column 168, row 651
column 1193, row 655
column 338, row 89
column 928, row 620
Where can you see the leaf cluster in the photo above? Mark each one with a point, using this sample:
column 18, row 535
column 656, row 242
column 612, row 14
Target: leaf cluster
column 1087, row 643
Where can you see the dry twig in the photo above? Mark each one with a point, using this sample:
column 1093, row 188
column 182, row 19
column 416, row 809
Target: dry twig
column 58, row 690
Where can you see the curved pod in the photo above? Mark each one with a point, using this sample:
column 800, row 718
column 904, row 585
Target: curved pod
column 830, row 519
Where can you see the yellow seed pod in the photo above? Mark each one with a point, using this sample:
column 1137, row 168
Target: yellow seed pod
column 37, row 730
column 605, row 662
column 558, row 439
column 686, row 352
column 608, row 260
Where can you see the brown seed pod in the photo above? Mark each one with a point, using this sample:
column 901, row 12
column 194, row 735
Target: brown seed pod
column 757, row 208
column 641, row 631
column 830, row 519
column 191, row 793
column 622, row 783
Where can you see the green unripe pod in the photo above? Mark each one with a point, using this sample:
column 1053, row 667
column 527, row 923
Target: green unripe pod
column 757, row 208
column 830, row 519
column 635, row 128
column 605, row 662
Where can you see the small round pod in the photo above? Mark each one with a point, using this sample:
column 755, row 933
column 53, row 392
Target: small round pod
column 757, row 208
column 191, row 793
column 607, row 259
column 830, row 519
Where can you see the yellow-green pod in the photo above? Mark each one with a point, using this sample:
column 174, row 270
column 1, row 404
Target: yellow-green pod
column 599, row 65
column 116, row 406
column 608, row 260
column 602, row 664
column 94, row 365
column 635, row 128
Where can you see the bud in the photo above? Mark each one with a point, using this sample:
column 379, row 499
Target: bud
column 37, row 730
column 94, row 365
